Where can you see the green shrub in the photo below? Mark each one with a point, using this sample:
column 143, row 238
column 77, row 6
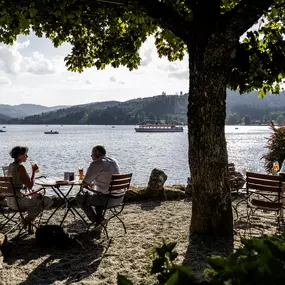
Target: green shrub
column 276, row 148
column 258, row 261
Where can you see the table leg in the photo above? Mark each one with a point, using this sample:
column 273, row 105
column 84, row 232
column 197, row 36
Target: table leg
column 73, row 211
column 65, row 202
column 56, row 190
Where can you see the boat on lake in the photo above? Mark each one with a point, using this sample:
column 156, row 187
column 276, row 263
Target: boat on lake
column 51, row 133
column 1, row 131
column 159, row 127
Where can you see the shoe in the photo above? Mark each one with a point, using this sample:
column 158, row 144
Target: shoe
column 103, row 223
column 99, row 225
column 30, row 229
column 24, row 223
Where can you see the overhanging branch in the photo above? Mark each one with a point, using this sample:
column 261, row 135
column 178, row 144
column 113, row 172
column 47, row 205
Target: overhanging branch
column 241, row 18
column 166, row 17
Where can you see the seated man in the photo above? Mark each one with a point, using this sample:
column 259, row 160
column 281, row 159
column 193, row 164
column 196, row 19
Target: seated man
column 97, row 180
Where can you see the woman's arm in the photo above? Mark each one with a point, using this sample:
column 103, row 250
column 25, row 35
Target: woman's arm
column 24, row 177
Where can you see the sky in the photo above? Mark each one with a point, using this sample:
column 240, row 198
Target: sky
column 33, row 71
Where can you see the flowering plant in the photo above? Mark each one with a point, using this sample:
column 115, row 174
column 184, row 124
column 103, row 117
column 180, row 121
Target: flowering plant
column 276, row 148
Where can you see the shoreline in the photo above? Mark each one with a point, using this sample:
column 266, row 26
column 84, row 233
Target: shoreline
column 133, row 195
column 185, row 125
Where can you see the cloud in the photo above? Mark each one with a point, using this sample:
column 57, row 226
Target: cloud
column 71, row 79
column 147, row 57
column 74, row 79
column 179, row 75
column 13, row 62
column 170, row 67
column 4, row 80
column 113, row 79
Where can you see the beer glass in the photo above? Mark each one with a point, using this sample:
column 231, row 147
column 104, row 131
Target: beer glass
column 34, row 163
column 276, row 166
column 80, row 173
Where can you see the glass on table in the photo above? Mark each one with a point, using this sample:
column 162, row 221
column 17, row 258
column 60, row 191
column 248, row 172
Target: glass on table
column 80, row 173
column 275, row 166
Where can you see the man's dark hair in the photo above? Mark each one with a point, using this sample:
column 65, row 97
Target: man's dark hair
column 101, row 149
column 18, row 150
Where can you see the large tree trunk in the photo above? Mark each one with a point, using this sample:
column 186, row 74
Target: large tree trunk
column 211, row 207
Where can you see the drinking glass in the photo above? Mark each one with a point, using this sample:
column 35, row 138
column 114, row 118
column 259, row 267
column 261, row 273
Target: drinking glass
column 275, row 165
column 34, row 163
column 80, row 173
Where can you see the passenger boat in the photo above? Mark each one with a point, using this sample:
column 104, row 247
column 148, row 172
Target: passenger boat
column 51, row 133
column 159, row 127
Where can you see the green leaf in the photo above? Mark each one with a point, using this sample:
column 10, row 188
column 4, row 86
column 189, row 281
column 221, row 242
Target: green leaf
column 173, row 255
column 170, row 246
column 157, row 265
column 122, row 280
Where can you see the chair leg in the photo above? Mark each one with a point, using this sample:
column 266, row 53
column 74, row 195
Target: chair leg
column 8, row 220
column 105, row 230
column 247, row 222
column 122, row 223
column 278, row 224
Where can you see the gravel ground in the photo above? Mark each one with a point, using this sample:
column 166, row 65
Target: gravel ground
column 148, row 223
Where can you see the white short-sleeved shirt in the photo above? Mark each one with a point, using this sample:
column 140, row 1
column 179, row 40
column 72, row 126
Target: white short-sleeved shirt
column 99, row 174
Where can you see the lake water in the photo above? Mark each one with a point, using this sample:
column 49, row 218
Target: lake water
column 138, row 153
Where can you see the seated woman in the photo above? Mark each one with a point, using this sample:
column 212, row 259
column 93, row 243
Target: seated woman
column 34, row 203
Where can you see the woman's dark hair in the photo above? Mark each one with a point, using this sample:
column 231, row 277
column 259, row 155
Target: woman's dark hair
column 101, row 149
column 18, row 150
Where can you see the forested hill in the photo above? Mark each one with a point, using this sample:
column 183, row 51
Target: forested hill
column 111, row 113
column 167, row 107
column 262, row 110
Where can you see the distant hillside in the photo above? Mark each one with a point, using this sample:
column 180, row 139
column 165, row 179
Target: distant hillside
column 4, row 119
column 23, row 110
column 262, row 110
column 112, row 112
column 167, row 107
column 251, row 99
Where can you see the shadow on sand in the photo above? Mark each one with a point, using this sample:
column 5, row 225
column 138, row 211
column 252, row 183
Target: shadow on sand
column 201, row 247
column 150, row 205
column 72, row 264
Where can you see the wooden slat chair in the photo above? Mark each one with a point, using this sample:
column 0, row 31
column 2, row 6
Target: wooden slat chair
column 264, row 192
column 7, row 190
column 10, row 215
column 118, row 182
column 5, row 170
column 234, row 181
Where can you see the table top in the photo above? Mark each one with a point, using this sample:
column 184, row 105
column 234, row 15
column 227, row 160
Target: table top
column 54, row 181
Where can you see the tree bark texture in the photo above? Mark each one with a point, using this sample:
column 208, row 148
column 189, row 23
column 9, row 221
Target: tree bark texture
column 211, row 207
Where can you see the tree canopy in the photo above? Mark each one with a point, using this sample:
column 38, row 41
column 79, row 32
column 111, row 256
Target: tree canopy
column 104, row 32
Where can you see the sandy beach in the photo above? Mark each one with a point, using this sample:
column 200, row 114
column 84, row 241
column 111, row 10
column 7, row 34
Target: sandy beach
column 148, row 223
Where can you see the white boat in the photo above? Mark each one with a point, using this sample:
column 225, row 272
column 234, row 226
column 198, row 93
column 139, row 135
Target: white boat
column 158, row 127
column 51, row 133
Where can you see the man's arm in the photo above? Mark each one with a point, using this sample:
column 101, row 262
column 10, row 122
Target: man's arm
column 90, row 176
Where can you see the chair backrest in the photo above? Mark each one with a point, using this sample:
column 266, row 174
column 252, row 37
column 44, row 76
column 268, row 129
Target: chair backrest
column 6, row 185
column 5, row 170
column 120, row 182
column 264, row 182
column 232, row 170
